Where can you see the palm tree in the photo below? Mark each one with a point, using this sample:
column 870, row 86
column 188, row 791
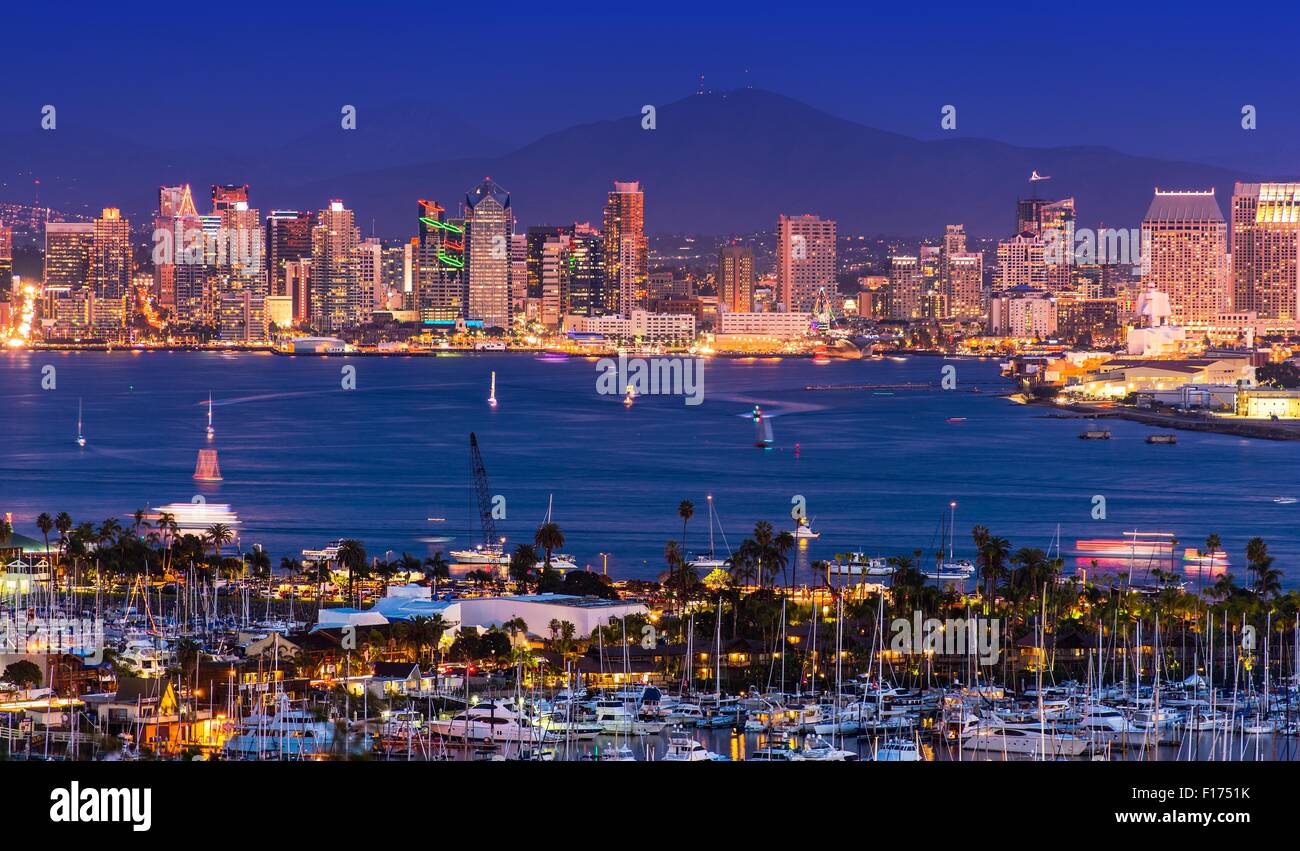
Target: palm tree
column 45, row 523
column 685, row 510
column 550, row 538
column 522, row 562
column 138, row 521
column 675, row 577
column 781, row 548
column 435, row 567
column 352, row 555
column 63, row 523
column 1268, row 579
column 260, row 562
column 218, row 535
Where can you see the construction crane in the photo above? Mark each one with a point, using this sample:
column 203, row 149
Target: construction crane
column 479, row 475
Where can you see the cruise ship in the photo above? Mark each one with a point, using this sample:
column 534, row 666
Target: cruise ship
column 195, row 518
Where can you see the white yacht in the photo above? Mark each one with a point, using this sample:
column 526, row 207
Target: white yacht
column 289, row 733
column 958, row 570
column 993, row 738
column 819, row 750
column 775, row 755
column 481, row 554
column 897, row 750
column 614, row 716
column 804, row 531
column 860, row 564
column 491, row 723
column 685, row 749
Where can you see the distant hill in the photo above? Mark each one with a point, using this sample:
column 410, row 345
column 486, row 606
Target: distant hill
column 716, row 163
column 729, row 162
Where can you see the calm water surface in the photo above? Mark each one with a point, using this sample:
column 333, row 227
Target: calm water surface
column 306, row 462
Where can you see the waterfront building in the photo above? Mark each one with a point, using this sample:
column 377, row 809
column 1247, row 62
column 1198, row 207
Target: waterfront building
column 1267, row 403
column 627, row 251
column 904, row 287
column 586, row 272
column 370, row 275
column 873, row 296
column 67, row 253
column 1023, row 312
column 288, row 240
column 964, row 285
column 334, row 282
column 736, row 278
column 1185, row 241
column 489, row 224
column 1021, row 263
column 1121, row 376
column 177, row 218
column 775, row 325
column 641, row 324
column 805, row 260
column 242, row 317
column 439, row 266
column 6, row 261
column 552, row 267
column 297, row 286
column 110, row 255
column 1087, row 321
column 1266, row 251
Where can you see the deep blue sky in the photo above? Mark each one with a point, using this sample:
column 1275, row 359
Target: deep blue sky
column 1168, row 81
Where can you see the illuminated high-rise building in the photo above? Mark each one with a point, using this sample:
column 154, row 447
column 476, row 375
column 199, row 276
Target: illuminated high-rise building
column 586, row 272
column 1185, row 241
column 1266, row 251
column 964, row 285
column 805, row 260
column 439, row 266
column 334, row 283
column 6, row 260
column 110, row 255
column 176, row 223
column 1021, row 263
column 489, row 224
column 228, row 197
column 904, row 287
column 288, row 240
column 627, row 251
column 736, row 278
column 67, row 253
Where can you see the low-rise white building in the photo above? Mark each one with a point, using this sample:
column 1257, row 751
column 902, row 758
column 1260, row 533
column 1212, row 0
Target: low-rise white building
column 774, row 324
column 641, row 323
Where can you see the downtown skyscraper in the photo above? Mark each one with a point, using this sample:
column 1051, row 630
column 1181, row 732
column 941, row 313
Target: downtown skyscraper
column 335, row 289
column 489, row 224
column 438, row 266
column 736, row 279
column 805, row 260
column 1185, row 241
column 1266, row 251
column 627, row 251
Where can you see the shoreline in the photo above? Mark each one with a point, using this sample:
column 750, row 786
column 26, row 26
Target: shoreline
column 1258, row 429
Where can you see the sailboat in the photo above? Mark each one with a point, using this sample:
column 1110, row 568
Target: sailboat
column 559, row 561
column 81, row 438
column 492, row 394
column 710, row 561
column 951, row 569
column 211, row 430
column 763, row 429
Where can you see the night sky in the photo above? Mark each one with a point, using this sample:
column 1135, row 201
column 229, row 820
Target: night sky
column 1169, row 83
